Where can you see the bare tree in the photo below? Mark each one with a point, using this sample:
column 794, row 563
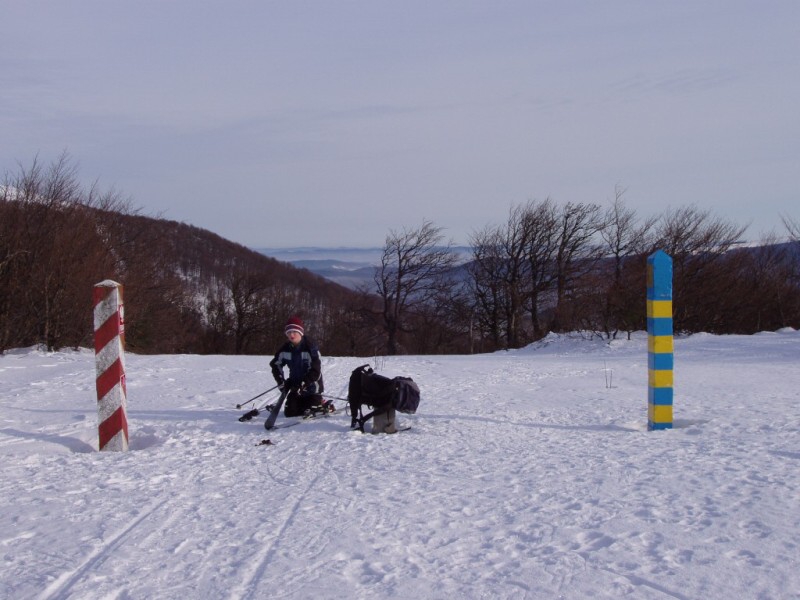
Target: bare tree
column 500, row 278
column 541, row 243
column 51, row 255
column 247, row 299
column 576, row 253
column 513, row 269
column 626, row 240
column 487, row 284
column 698, row 243
column 792, row 227
column 793, row 277
column 413, row 268
column 765, row 288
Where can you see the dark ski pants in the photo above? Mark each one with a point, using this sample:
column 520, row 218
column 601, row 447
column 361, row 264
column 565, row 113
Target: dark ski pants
column 297, row 404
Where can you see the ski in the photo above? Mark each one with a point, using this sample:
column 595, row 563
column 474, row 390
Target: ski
column 312, row 416
column 276, row 408
column 282, row 425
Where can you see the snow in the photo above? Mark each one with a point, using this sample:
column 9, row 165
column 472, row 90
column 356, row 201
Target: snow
column 526, row 474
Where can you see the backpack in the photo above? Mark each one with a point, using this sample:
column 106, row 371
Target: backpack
column 381, row 393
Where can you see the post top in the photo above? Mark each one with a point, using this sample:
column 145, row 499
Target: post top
column 107, row 283
column 660, row 257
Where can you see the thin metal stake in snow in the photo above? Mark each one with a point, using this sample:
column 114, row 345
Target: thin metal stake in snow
column 609, row 373
column 109, row 342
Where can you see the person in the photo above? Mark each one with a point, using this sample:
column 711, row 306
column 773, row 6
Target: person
column 301, row 356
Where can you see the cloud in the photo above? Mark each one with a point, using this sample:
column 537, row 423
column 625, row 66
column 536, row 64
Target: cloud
column 683, row 81
column 226, row 115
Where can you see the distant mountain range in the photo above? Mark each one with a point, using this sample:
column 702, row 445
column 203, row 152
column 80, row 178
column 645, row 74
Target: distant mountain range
column 349, row 267
column 355, row 267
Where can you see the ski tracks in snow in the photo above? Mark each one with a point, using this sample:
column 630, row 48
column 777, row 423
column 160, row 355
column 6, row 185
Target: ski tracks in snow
column 272, row 534
column 168, row 533
column 293, row 540
column 62, row 586
column 524, row 476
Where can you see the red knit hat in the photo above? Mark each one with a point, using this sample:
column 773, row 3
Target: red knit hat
column 294, row 324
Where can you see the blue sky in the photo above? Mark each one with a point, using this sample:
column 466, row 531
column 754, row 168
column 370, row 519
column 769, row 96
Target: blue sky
column 329, row 123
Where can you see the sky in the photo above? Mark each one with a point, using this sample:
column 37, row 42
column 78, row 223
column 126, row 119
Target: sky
column 321, row 123
column 526, row 474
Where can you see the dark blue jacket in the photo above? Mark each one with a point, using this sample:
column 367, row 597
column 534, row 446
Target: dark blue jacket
column 304, row 366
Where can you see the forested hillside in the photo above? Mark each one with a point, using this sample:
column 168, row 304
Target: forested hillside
column 546, row 267
column 185, row 289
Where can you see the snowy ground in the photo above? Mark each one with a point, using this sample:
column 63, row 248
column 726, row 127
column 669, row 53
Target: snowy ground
column 526, row 474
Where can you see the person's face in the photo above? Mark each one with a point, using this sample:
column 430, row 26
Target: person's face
column 294, row 337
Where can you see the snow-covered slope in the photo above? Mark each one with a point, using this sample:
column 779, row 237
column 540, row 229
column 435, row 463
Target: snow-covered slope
column 526, row 474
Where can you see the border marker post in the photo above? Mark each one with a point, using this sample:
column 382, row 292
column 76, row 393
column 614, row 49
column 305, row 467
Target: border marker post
column 660, row 341
column 109, row 342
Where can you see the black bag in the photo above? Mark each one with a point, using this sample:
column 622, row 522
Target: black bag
column 381, row 393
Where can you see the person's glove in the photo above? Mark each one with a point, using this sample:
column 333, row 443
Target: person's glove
column 302, row 387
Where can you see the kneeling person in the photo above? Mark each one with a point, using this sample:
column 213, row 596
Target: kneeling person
column 301, row 356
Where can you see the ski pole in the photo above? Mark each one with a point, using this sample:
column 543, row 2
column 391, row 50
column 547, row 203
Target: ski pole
column 334, row 397
column 266, row 404
column 256, row 397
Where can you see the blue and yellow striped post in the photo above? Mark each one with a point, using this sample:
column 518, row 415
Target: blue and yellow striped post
column 659, row 341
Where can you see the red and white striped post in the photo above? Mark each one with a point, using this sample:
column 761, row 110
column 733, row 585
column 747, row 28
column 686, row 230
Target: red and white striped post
column 109, row 350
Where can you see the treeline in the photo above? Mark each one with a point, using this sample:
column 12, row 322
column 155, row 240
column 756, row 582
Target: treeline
column 582, row 267
column 186, row 290
column 577, row 267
